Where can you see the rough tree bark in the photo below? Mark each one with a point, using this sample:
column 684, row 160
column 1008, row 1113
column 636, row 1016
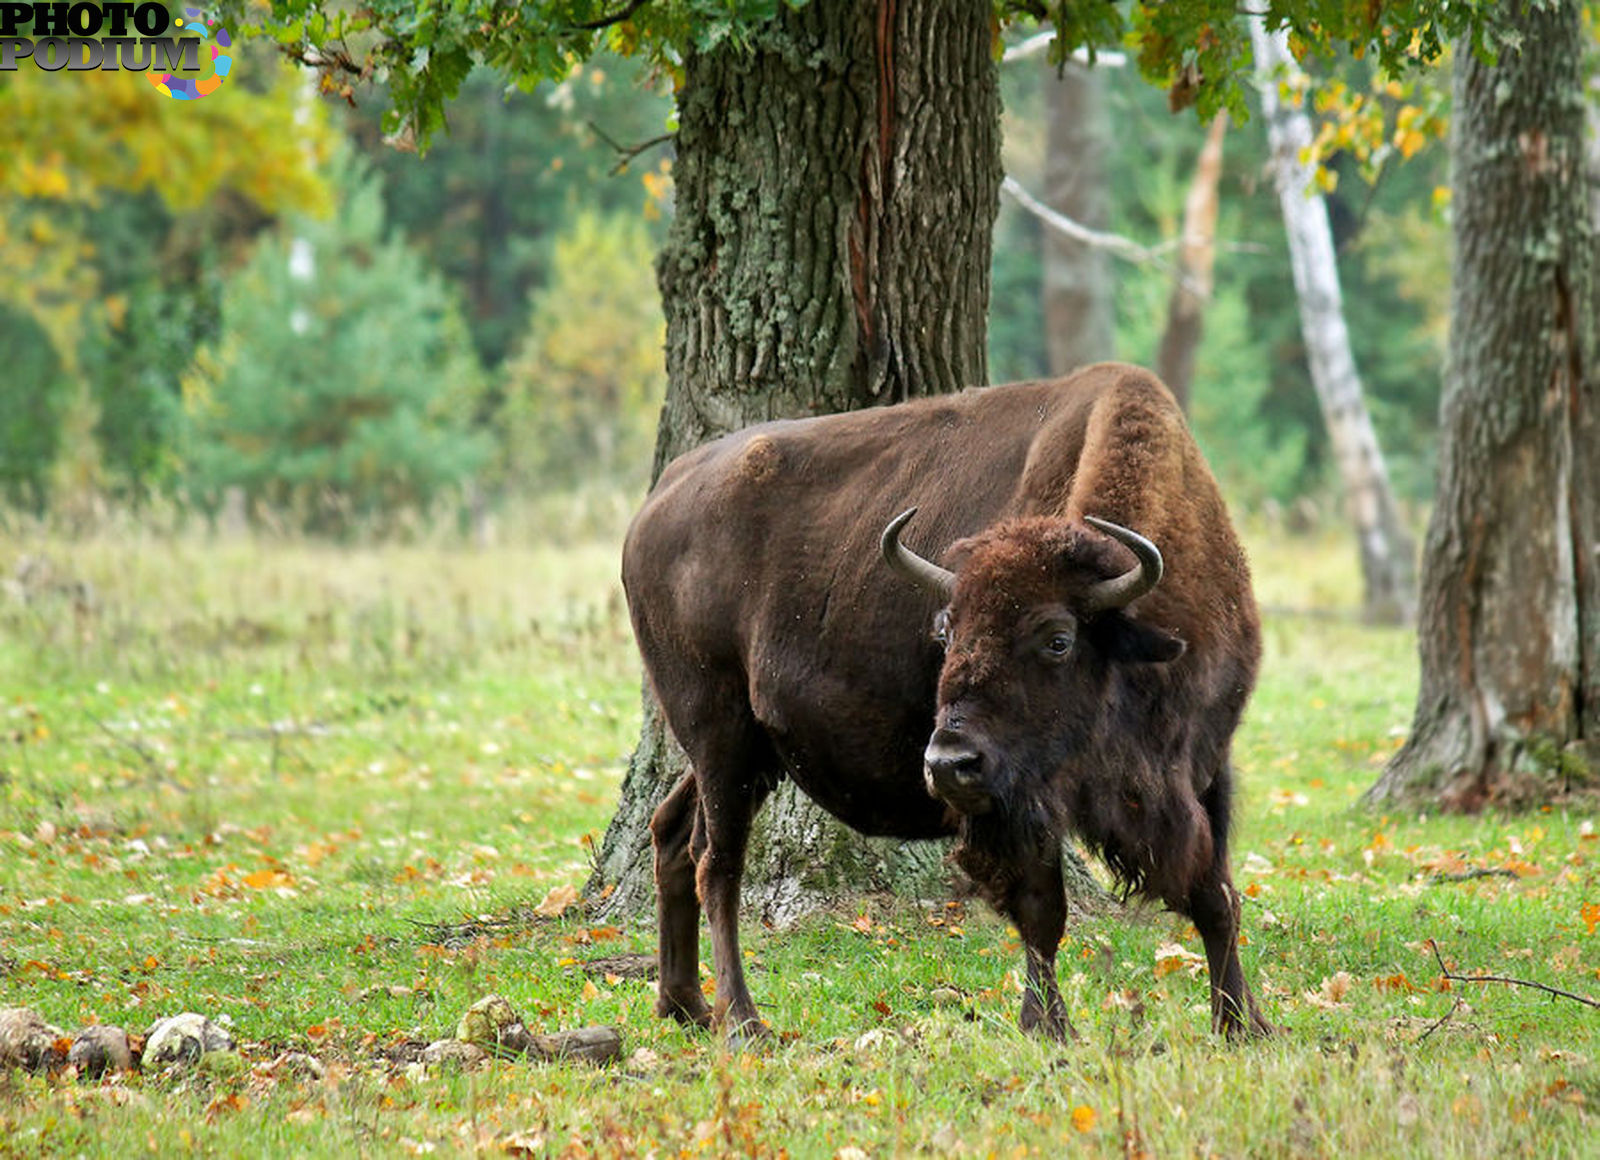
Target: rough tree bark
column 1191, row 284
column 835, row 194
column 1509, row 710
column 1077, row 276
column 1386, row 548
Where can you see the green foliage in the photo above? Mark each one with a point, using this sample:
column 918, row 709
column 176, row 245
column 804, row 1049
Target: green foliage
column 343, row 381
column 1197, row 50
column 582, row 396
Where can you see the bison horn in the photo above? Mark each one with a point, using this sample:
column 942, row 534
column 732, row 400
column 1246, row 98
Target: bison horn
column 1120, row 591
column 924, row 573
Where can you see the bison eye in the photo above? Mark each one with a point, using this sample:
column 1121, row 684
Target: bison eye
column 1058, row 645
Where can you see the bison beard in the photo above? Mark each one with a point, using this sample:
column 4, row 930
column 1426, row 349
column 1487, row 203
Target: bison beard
column 1048, row 681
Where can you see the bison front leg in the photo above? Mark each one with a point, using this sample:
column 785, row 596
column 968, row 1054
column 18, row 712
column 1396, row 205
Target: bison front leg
column 1037, row 903
column 1214, row 907
column 672, row 828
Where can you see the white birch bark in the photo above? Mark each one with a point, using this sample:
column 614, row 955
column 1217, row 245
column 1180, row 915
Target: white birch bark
column 1387, row 554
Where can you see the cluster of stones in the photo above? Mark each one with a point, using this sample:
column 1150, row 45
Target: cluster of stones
column 28, row 1042
column 490, row 1028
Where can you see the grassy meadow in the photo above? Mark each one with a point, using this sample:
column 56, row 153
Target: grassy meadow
column 320, row 791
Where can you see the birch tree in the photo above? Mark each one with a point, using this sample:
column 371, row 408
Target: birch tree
column 1386, row 548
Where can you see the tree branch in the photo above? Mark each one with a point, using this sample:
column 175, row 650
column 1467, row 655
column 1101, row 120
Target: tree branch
column 1445, row 971
column 617, row 17
column 1041, row 41
column 626, row 153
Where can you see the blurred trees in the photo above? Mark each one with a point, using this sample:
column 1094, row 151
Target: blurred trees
column 123, row 281
column 342, row 384
column 494, row 196
column 112, row 218
column 582, row 395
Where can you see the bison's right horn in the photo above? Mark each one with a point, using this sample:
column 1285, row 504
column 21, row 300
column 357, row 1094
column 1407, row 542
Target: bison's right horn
column 924, row 573
column 1120, row 591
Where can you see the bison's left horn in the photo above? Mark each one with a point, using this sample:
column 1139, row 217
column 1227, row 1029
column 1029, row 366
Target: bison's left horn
column 1120, row 591
column 924, row 573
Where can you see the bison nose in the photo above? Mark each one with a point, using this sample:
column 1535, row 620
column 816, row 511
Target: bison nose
column 953, row 771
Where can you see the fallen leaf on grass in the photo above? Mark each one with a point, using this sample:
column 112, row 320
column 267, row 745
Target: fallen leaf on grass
column 1171, row 957
column 557, row 902
column 523, row 1144
column 267, row 879
column 1083, row 1118
column 1330, row 995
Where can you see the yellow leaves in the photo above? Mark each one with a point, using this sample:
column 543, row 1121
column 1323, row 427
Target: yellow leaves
column 1590, row 913
column 1359, row 123
column 269, row 878
column 47, row 179
column 106, row 130
column 1083, row 1118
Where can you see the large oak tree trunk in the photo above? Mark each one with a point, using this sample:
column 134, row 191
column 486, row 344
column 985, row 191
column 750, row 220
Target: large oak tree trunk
column 836, row 188
column 1386, row 548
column 1509, row 711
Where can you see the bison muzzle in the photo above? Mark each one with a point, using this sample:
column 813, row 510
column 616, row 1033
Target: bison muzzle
column 1076, row 664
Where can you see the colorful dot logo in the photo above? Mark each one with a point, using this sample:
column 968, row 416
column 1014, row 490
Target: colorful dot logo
column 186, row 88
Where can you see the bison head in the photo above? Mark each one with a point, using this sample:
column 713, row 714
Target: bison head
column 1032, row 626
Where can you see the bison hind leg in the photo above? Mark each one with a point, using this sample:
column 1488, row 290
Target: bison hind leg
column 1213, row 905
column 672, row 828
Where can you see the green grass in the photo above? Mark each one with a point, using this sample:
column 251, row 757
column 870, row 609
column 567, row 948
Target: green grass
column 301, row 786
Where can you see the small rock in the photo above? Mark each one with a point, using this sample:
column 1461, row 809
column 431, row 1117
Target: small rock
column 100, row 1048
column 454, row 1051
column 183, row 1039
column 27, row 1041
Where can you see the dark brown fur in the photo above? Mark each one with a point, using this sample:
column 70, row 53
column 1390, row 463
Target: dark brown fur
column 779, row 645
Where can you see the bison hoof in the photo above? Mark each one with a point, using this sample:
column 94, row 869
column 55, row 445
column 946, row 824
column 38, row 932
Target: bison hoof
column 747, row 1034
column 689, row 1008
column 1051, row 1023
column 1239, row 1028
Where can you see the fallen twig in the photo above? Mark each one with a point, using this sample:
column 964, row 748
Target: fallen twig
column 1479, row 872
column 1442, row 1020
column 1447, row 973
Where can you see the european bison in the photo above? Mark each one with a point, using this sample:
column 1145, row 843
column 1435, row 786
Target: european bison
column 1053, row 682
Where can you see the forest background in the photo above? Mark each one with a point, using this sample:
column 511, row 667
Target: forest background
column 252, row 310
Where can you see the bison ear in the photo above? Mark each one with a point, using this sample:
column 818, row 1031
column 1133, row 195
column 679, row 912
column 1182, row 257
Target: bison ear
column 1124, row 639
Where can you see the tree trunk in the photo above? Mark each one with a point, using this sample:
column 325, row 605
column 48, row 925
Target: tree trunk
column 1386, row 548
column 1191, row 284
column 836, row 188
column 1077, row 277
column 1509, row 710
